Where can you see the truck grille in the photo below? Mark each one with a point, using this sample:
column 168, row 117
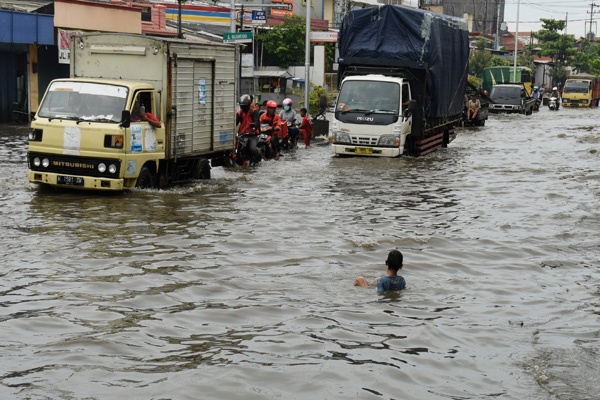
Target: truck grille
column 74, row 165
column 364, row 141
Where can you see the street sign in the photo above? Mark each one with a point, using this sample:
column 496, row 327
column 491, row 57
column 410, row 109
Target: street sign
column 237, row 37
column 259, row 16
column 316, row 36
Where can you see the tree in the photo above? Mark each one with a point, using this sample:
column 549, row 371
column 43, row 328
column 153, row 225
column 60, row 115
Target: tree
column 556, row 45
column 481, row 58
column 586, row 57
column 284, row 44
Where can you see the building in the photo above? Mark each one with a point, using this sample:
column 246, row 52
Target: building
column 34, row 42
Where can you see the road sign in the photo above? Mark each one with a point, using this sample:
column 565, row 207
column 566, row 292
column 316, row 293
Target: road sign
column 237, row 37
column 316, row 36
column 259, row 16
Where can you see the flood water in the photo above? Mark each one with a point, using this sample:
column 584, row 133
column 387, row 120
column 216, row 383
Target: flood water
column 241, row 287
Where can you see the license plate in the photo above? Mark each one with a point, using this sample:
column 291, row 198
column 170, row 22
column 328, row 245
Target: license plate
column 363, row 150
column 69, row 180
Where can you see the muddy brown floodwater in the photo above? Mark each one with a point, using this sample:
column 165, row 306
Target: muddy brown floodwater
column 241, row 287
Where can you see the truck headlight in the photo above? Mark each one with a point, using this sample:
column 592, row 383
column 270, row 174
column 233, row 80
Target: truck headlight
column 389, row 140
column 101, row 168
column 37, row 162
column 45, row 162
column 112, row 168
column 341, row 137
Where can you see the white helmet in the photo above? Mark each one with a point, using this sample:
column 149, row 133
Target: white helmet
column 554, row 88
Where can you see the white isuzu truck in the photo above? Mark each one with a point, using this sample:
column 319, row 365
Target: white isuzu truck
column 403, row 75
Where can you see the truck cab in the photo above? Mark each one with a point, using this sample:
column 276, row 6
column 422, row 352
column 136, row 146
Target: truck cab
column 581, row 91
column 80, row 130
column 371, row 116
column 511, row 98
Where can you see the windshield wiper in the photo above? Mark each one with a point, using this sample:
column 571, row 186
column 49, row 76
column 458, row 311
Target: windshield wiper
column 359, row 110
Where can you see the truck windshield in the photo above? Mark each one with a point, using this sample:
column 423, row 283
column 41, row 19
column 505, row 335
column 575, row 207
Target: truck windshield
column 506, row 93
column 84, row 101
column 576, row 87
column 369, row 97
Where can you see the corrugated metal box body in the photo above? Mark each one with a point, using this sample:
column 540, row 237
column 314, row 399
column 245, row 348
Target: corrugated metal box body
column 195, row 81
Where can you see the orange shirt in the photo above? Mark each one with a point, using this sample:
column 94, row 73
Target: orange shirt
column 273, row 121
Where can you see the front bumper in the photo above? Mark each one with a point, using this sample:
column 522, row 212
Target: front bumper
column 505, row 108
column 75, row 182
column 368, row 151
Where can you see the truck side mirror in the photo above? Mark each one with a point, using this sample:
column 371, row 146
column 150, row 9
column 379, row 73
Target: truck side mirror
column 125, row 119
column 322, row 101
column 410, row 108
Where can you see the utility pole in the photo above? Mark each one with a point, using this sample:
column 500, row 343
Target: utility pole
column 591, row 34
column 179, row 32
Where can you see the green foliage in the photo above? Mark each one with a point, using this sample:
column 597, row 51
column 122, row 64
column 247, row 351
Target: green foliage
column 479, row 60
column 499, row 62
column 285, row 43
column 314, row 99
column 482, row 58
column 584, row 60
column 595, row 66
column 475, row 81
column 557, row 45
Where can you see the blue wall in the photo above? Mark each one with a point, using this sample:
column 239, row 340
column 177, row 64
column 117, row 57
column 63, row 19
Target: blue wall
column 18, row 27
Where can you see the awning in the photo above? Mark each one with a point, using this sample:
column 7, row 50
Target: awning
column 28, row 6
column 272, row 74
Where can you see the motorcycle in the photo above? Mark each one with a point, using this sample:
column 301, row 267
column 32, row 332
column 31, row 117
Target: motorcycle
column 265, row 143
column 553, row 103
column 289, row 135
column 536, row 106
column 243, row 154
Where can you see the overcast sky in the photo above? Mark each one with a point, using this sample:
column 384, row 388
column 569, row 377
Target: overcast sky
column 576, row 12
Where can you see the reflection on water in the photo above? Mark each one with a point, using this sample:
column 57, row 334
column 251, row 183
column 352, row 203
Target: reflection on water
column 241, row 287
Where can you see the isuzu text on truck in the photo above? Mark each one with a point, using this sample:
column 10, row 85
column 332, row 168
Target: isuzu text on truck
column 403, row 74
column 90, row 132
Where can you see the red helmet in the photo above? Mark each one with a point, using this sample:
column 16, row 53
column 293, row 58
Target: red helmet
column 271, row 104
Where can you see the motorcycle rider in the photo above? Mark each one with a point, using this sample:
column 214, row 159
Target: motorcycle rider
column 537, row 95
column 273, row 125
column 288, row 114
column 246, row 115
column 556, row 95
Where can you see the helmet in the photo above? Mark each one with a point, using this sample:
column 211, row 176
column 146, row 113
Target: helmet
column 245, row 100
column 554, row 88
column 271, row 104
column 288, row 102
column 535, row 88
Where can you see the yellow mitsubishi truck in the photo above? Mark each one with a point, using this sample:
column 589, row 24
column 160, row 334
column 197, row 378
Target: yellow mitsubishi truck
column 138, row 111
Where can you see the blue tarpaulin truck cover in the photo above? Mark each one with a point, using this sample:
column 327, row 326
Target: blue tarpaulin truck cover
column 422, row 39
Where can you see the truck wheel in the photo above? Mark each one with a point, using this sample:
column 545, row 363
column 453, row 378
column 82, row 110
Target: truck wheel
column 201, row 169
column 145, row 180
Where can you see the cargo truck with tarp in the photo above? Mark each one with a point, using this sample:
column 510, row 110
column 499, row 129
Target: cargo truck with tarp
column 95, row 131
column 402, row 74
